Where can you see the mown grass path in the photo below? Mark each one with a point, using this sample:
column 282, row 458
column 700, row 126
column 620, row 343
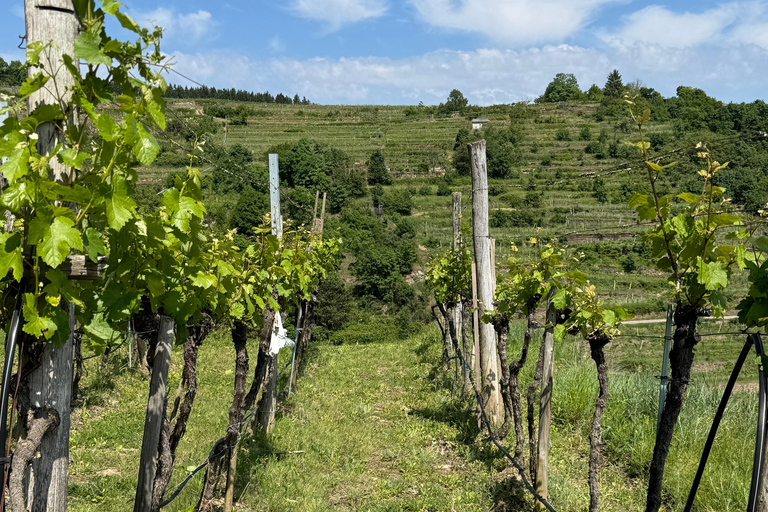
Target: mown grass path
column 371, row 428
column 376, row 432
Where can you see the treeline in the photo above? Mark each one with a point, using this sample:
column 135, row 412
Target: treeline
column 205, row 92
column 12, row 74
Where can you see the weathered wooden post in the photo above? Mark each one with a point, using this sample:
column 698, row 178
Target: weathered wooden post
column 50, row 384
column 155, row 416
column 482, row 244
column 545, row 400
column 268, row 402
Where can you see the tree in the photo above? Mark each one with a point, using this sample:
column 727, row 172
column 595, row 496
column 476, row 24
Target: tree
column 249, row 211
column 595, row 93
column 613, row 86
column 563, row 87
column 378, row 174
column 456, row 101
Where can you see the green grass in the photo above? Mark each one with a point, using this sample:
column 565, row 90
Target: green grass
column 377, row 426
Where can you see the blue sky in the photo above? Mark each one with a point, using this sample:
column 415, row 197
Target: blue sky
column 494, row 51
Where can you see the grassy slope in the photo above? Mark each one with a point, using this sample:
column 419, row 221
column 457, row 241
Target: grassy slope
column 378, row 428
column 407, row 141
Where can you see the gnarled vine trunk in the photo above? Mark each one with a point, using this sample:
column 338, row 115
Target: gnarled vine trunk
column 228, row 445
column 597, row 341
column 175, row 425
column 501, row 325
column 684, row 340
column 531, row 416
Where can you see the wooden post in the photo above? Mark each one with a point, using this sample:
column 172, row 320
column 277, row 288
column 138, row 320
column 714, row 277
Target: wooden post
column 322, row 217
column 268, row 402
column 475, row 327
column 50, row 384
column 274, row 196
column 155, row 416
column 481, row 239
column 545, row 399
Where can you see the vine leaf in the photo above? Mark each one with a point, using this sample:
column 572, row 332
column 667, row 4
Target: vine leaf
column 10, row 255
column 88, row 48
column 57, row 239
column 36, row 325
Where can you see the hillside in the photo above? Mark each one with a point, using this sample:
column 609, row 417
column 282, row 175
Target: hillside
column 571, row 178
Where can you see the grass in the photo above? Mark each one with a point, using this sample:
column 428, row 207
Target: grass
column 376, row 426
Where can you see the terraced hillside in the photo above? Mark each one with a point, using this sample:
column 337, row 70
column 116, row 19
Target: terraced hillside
column 571, row 180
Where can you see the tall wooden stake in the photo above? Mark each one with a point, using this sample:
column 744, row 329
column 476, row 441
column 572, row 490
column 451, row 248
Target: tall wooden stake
column 482, row 243
column 155, row 416
column 268, row 402
column 51, row 383
column 545, row 399
column 475, row 327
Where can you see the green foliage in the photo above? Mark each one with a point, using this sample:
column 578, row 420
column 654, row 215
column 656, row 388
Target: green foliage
column 443, row 188
column 628, row 264
column 398, row 201
column 564, row 87
column 527, row 280
column 314, row 166
column 589, row 317
column 563, row 134
column 334, row 302
column 456, row 102
column 514, row 218
column 686, row 245
column 12, row 74
column 163, row 256
column 250, row 210
column 599, row 191
column 378, row 174
column 502, row 151
column 449, row 274
column 585, row 133
column 614, row 87
column 237, row 116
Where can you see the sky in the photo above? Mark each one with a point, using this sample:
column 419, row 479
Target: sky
column 495, row 51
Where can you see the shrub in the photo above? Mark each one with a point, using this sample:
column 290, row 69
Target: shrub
column 377, row 170
column 512, row 219
column 398, row 201
column 585, row 133
column 443, row 189
column 334, row 302
column 563, row 134
column 249, row 211
column 495, row 189
column 629, row 264
column 599, row 191
column 547, row 160
column 376, row 329
column 657, row 140
column 425, row 190
column 532, row 199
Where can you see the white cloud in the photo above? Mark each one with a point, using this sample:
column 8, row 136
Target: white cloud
column 510, row 21
column 485, row 76
column 178, row 27
column 337, row 13
column 658, row 25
